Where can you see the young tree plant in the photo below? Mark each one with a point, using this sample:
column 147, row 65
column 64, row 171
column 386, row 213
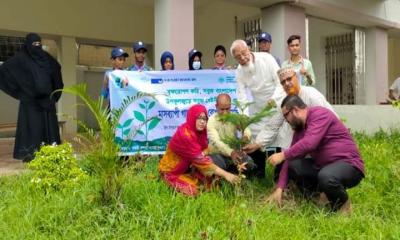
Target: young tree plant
column 100, row 151
column 242, row 121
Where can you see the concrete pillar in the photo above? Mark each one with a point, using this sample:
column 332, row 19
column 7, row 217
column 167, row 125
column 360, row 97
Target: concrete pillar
column 67, row 105
column 376, row 65
column 281, row 21
column 174, row 30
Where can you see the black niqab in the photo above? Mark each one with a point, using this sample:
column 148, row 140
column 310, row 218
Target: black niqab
column 36, row 52
column 31, row 76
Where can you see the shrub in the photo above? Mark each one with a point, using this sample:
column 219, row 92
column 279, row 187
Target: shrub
column 55, row 168
column 99, row 149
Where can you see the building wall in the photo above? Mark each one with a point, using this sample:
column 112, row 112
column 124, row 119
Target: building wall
column 369, row 118
column 117, row 20
column 89, row 21
column 214, row 24
column 93, row 77
column 318, row 30
column 387, row 9
column 394, row 59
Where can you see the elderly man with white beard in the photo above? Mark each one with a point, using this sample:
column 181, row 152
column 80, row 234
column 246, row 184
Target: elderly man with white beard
column 257, row 75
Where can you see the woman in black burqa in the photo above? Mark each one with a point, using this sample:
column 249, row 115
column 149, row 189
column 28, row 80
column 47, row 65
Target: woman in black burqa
column 31, row 76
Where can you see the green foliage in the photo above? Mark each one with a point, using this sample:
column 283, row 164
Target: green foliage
column 55, row 168
column 151, row 210
column 100, row 154
column 242, row 121
column 396, row 104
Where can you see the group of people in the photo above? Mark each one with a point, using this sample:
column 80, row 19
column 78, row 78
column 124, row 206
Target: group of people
column 305, row 140
column 301, row 65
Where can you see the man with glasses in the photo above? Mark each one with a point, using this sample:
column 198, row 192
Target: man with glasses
column 310, row 96
column 258, row 82
column 323, row 157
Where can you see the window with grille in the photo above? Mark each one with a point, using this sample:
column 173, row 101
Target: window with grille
column 345, row 68
column 9, row 46
column 339, row 53
column 251, row 30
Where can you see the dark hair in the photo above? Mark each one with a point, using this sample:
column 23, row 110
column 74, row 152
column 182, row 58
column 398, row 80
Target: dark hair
column 220, row 48
column 293, row 37
column 249, row 42
column 291, row 101
column 191, row 60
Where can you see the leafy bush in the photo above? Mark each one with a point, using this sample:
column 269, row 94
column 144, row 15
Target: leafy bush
column 55, row 168
column 99, row 149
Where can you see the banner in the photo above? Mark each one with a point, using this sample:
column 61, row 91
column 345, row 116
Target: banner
column 147, row 124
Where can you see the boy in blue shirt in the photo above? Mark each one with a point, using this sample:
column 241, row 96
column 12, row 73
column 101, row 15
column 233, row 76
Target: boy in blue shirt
column 118, row 58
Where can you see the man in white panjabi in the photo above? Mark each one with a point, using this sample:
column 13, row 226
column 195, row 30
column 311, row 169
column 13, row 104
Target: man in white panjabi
column 258, row 82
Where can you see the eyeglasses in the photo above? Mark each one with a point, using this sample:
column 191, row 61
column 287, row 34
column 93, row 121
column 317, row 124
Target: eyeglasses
column 285, row 115
column 202, row 118
column 288, row 79
column 241, row 55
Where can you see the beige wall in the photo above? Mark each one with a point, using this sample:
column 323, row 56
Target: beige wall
column 393, row 59
column 88, row 21
column 117, row 20
column 369, row 118
column 214, row 24
column 387, row 9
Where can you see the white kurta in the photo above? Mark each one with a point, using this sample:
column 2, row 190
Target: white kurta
column 263, row 86
column 396, row 88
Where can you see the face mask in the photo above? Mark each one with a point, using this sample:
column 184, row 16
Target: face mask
column 196, row 65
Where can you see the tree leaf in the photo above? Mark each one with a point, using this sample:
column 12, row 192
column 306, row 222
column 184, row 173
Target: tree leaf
column 142, row 106
column 140, row 132
column 151, row 105
column 153, row 123
column 139, row 116
column 127, row 122
column 126, row 132
column 119, row 125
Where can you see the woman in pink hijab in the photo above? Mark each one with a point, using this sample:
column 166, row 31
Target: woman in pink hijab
column 185, row 165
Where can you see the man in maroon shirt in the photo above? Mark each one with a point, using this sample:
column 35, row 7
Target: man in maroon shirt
column 323, row 157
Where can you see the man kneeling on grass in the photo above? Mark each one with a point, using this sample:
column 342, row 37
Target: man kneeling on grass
column 221, row 153
column 334, row 163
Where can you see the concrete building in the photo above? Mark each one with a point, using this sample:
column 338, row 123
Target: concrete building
column 354, row 45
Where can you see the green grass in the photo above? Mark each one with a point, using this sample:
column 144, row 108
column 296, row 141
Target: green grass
column 152, row 211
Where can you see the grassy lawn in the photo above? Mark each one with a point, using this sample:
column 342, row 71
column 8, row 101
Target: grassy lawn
column 152, row 211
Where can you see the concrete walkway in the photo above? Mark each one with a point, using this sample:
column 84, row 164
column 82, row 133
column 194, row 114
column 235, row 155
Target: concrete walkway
column 9, row 165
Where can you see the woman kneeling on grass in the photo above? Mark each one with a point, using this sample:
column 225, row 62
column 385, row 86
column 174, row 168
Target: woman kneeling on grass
column 185, row 165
